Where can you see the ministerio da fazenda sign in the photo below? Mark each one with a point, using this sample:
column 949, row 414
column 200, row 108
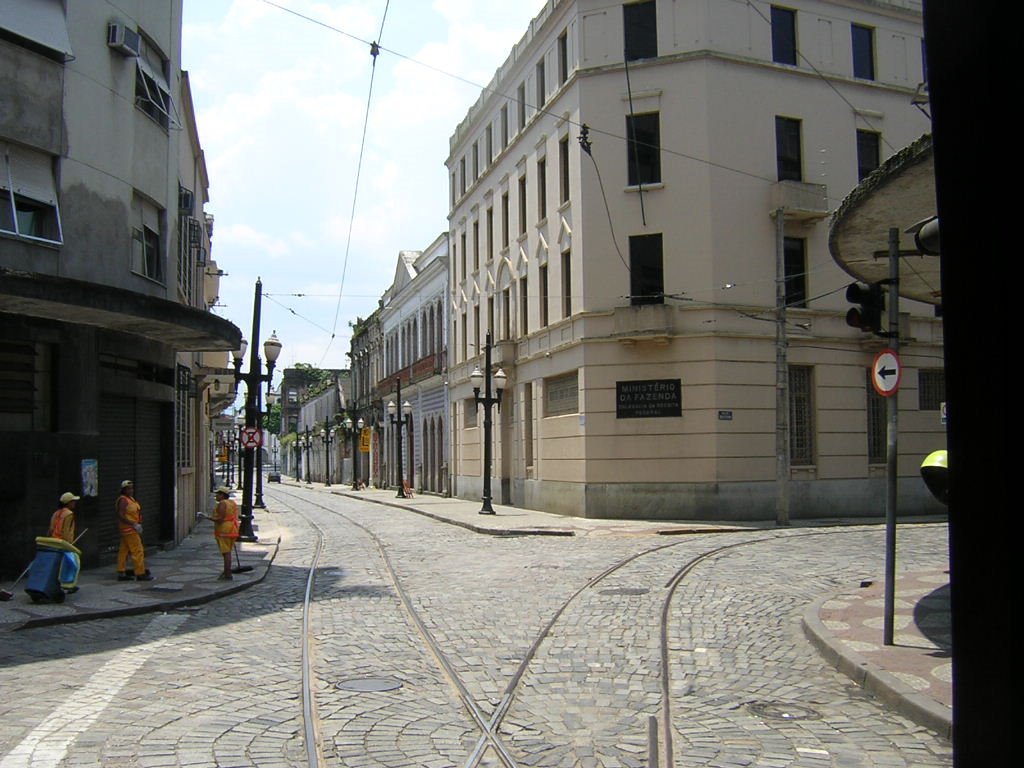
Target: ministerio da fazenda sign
column 655, row 398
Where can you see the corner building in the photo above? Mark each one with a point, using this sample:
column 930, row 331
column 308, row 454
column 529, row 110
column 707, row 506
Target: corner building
column 625, row 196
column 108, row 351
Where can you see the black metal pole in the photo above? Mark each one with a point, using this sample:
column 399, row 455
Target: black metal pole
column 252, row 385
column 259, row 451
column 398, row 418
column 327, row 456
column 298, row 458
column 355, row 457
column 309, row 451
column 488, row 401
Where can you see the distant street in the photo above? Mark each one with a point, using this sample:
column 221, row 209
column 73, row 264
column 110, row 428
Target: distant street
column 418, row 625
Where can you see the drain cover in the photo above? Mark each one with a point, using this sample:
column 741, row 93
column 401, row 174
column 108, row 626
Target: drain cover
column 625, row 591
column 777, row 710
column 370, row 684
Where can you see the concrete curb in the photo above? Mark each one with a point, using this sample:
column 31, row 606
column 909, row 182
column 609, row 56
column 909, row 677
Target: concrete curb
column 896, row 694
column 135, row 610
column 506, row 532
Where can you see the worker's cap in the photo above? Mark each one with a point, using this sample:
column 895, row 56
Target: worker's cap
column 224, row 489
column 126, row 483
column 68, row 497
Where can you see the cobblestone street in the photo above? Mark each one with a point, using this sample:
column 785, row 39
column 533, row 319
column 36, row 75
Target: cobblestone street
column 220, row 684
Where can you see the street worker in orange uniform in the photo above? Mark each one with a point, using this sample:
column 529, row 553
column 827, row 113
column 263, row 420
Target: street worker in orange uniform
column 129, row 521
column 62, row 522
column 225, row 527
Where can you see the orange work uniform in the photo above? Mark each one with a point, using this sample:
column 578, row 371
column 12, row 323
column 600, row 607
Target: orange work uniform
column 129, row 514
column 225, row 528
column 62, row 525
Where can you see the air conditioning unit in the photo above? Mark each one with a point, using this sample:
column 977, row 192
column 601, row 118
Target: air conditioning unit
column 123, row 40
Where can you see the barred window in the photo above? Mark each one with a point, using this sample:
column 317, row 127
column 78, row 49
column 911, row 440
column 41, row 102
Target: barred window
column 183, row 408
column 27, row 386
column 801, row 415
column 562, row 394
column 931, row 389
column 876, row 413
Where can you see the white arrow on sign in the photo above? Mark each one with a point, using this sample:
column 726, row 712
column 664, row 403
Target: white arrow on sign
column 886, row 372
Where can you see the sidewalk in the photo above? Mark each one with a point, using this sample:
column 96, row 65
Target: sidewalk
column 913, row 676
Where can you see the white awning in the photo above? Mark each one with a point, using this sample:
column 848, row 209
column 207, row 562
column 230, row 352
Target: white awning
column 39, row 21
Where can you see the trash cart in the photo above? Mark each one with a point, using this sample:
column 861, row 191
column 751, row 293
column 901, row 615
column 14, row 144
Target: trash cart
column 54, row 570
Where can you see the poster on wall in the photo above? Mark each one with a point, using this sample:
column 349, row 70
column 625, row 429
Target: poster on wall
column 652, row 398
column 90, row 477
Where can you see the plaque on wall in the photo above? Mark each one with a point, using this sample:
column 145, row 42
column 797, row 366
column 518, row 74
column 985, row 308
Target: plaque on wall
column 655, row 398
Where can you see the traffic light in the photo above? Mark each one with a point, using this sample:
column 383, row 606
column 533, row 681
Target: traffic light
column 868, row 316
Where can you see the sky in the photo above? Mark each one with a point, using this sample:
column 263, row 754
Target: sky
column 282, row 93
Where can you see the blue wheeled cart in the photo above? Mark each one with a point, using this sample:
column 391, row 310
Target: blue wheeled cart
column 54, row 570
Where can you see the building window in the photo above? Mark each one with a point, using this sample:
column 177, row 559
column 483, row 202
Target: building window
column 489, row 237
column 476, row 161
column 504, row 220
column 641, row 30
column 476, row 246
column 152, row 93
column 783, row 35
column 801, row 415
column 504, row 126
column 183, row 410
column 563, row 57
column 28, row 195
column 521, row 104
column 522, row 204
column 877, row 423
column 563, row 170
column 868, row 153
column 794, row 251
column 28, row 384
column 646, row 270
column 562, row 394
column 462, row 176
column 566, row 283
column 489, row 142
column 147, row 256
column 788, row 156
column 863, row 51
column 542, row 189
column 524, row 306
column 643, row 145
column 931, row 389
column 465, row 337
column 506, row 313
column 541, row 75
column 469, row 410
column 543, row 295
column 464, row 251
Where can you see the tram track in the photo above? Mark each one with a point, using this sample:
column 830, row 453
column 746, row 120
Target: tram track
column 488, row 726
column 489, row 738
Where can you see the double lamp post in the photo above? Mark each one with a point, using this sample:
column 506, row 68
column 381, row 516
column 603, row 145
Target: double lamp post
column 399, row 421
column 486, row 379
column 253, row 379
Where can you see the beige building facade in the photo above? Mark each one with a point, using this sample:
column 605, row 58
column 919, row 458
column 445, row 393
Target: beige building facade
column 615, row 193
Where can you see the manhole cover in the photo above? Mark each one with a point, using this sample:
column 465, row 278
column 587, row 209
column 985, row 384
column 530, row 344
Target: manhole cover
column 777, row 710
column 625, row 591
column 369, row 684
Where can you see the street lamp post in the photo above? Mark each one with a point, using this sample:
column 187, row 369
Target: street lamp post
column 308, row 445
column 260, row 413
column 484, row 378
column 400, row 422
column 325, row 437
column 355, row 430
column 298, row 457
column 253, row 380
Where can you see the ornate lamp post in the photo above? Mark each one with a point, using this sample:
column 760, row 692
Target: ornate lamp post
column 355, row 430
column 253, row 398
column 479, row 378
column 325, row 437
column 400, row 422
column 307, row 444
column 271, row 399
column 298, row 457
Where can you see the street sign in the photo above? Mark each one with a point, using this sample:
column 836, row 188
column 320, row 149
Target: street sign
column 250, row 437
column 886, row 372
